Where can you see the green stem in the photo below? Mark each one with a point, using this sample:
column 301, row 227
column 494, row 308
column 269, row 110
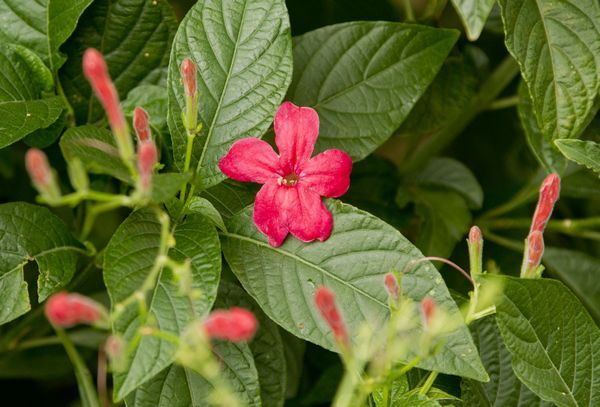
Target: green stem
column 504, row 242
column 489, row 91
column 504, row 103
column 93, row 212
column 428, row 383
column 409, row 14
column 571, row 227
column 525, row 195
column 87, row 390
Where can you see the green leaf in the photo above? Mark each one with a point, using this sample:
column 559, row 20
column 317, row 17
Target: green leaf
column 244, row 58
column 580, row 272
column 554, row 343
column 557, row 45
column 474, row 14
column 294, row 349
column 28, row 233
column 445, row 219
column 135, row 37
column 42, row 26
column 397, row 390
column 586, row 153
column 204, row 207
column 179, row 387
column 96, row 148
column 166, row 185
column 230, row 197
column 504, row 388
column 23, row 106
column 129, row 257
column 451, row 174
column 267, row 346
column 363, row 78
column 581, row 183
column 352, row 262
column 546, row 154
column 153, row 99
column 412, row 398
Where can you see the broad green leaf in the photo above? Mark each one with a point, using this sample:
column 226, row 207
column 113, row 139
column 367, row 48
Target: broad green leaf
column 412, row 398
column 135, row 37
column 352, row 262
column 24, row 82
column 545, row 152
column 504, row 388
column 166, row 185
column 554, row 343
column 579, row 271
column 96, row 148
column 45, row 137
column 557, row 46
column 29, row 233
column 474, row 14
column 153, row 99
column 581, row 183
column 243, row 52
column 230, row 197
column 267, row 346
column 363, row 78
column 586, row 153
column 176, row 386
column 448, row 95
column 42, row 25
column 445, row 218
column 451, row 174
column 129, row 257
column 204, row 207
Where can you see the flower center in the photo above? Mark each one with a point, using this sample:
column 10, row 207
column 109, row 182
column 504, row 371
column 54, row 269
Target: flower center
column 289, row 180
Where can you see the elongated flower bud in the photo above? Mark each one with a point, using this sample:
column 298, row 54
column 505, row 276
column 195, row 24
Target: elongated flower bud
column 549, row 193
column 140, row 124
column 64, row 309
column 428, row 307
column 325, row 301
column 235, row 325
column 392, row 286
column 96, row 72
column 533, row 254
column 188, row 74
column 475, row 244
column 40, row 172
column 147, row 159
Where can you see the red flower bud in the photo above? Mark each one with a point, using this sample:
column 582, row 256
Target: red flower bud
column 535, row 249
column 428, row 309
column 392, row 286
column 235, row 325
column 65, row 310
column 38, row 168
column 325, row 301
column 475, row 236
column 188, row 74
column 147, row 159
column 96, row 72
column 549, row 193
column 140, row 123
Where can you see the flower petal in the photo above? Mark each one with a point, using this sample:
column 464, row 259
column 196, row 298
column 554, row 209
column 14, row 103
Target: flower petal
column 309, row 219
column 328, row 173
column 270, row 214
column 250, row 160
column 296, row 131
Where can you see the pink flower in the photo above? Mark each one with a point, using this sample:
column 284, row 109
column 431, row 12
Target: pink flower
column 64, row 309
column 290, row 199
column 236, row 324
column 325, row 301
column 140, row 124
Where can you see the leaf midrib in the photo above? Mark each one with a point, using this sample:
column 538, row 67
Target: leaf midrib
column 225, row 86
column 303, row 261
column 539, row 342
